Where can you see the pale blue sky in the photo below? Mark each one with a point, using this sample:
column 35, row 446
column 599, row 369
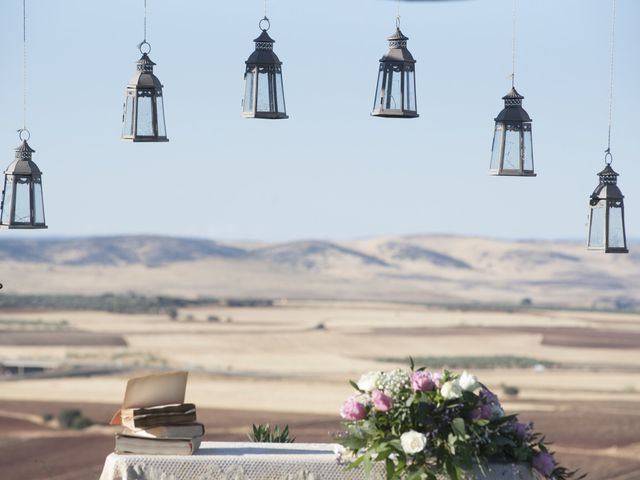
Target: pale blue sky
column 331, row 170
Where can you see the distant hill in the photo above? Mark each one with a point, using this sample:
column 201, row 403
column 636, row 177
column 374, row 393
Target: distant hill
column 429, row 268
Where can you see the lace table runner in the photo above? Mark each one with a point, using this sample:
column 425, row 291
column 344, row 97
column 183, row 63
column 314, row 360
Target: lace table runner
column 258, row 461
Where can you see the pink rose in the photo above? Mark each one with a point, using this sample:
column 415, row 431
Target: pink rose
column 544, row 463
column 381, row 401
column 422, row 381
column 353, row 410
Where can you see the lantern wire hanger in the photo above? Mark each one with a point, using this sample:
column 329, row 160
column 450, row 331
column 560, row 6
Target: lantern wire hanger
column 263, row 85
column 512, row 148
column 396, row 88
column 143, row 112
column 22, row 203
column 606, row 204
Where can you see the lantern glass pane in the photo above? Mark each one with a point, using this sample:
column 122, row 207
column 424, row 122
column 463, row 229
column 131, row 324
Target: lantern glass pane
column 22, row 200
column 145, row 117
column 496, row 147
column 528, row 150
column 38, row 204
column 264, row 86
column 376, row 100
column 393, row 92
column 162, row 128
column 249, row 78
column 616, row 227
column 409, row 91
column 280, row 93
column 7, row 194
column 512, row 149
column 596, row 226
column 127, row 117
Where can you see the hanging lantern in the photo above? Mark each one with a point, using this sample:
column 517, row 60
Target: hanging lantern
column 606, row 214
column 264, row 90
column 22, row 204
column 143, row 117
column 512, row 150
column 396, row 88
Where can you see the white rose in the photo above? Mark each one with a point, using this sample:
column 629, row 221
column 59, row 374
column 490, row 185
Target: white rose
column 413, row 442
column 468, row 382
column 451, row 390
column 369, row 381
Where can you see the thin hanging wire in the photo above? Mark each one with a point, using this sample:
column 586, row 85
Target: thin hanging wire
column 265, row 8
column 513, row 45
column 613, row 36
column 24, row 66
column 145, row 22
column 398, row 15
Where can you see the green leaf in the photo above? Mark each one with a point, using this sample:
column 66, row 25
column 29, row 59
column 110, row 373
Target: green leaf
column 390, row 469
column 458, row 427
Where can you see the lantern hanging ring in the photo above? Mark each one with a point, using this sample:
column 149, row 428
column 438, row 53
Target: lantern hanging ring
column 265, row 21
column 144, row 45
column 398, row 21
column 24, row 134
column 608, row 158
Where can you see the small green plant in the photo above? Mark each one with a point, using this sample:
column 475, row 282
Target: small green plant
column 510, row 390
column 73, row 418
column 47, row 417
column 263, row 433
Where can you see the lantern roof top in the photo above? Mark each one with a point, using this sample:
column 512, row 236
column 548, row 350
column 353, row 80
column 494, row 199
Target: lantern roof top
column 23, row 165
column 397, row 35
column 263, row 54
column 513, row 111
column 608, row 175
column 513, row 95
column 264, row 37
column 398, row 51
column 144, row 76
column 608, row 188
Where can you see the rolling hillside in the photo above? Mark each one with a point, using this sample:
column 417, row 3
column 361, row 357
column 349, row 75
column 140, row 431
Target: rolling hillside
column 433, row 268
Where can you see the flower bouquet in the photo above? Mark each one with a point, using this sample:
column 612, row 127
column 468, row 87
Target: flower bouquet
column 423, row 425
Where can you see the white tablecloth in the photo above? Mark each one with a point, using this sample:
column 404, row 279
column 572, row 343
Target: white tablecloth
column 257, row 461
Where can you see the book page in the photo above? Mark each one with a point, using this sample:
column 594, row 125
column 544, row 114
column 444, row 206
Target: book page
column 154, row 390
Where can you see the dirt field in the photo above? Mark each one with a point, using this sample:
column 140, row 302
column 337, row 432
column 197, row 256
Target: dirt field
column 291, row 364
column 606, row 445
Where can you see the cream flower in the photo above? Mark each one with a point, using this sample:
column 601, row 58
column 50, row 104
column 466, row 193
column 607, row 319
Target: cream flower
column 468, row 382
column 369, row 381
column 413, row 442
column 451, row 390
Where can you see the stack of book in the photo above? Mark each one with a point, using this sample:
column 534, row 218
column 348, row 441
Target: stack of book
column 163, row 429
column 155, row 419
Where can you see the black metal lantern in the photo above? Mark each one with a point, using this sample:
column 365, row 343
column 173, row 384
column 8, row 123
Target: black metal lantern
column 264, row 89
column 143, row 117
column 22, row 203
column 396, row 88
column 512, row 149
column 606, row 214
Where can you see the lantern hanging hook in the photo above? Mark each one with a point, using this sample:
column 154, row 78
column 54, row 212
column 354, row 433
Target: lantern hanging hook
column 24, row 134
column 144, row 45
column 608, row 158
column 264, row 21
